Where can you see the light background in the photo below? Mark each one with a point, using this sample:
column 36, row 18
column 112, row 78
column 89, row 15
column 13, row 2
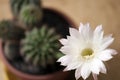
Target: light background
column 105, row 12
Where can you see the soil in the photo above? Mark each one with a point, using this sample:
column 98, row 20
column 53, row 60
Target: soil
column 61, row 25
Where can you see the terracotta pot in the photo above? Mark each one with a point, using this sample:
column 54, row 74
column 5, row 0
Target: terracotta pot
column 60, row 75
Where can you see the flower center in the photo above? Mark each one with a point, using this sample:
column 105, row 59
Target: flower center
column 87, row 53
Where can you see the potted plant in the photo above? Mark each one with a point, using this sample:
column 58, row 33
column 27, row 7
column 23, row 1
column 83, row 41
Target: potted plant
column 31, row 50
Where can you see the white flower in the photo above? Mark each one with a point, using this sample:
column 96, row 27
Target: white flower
column 86, row 50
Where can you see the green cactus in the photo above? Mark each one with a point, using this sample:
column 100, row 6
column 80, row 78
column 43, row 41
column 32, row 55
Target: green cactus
column 41, row 47
column 10, row 31
column 30, row 15
column 11, row 49
column 16, row 5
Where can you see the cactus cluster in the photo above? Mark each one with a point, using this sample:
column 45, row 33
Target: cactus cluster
column 28, row 12
column 16, row 5
column 41, row 47
column 10, row 31
column 30, row 15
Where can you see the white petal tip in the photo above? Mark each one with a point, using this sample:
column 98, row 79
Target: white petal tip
column 114, row 52
column 60, row 40
column 81, row 24
column 57, row 61
column 65, row 70
column 60, row 49
column 99, row 28
column 95, row 76
column 104, row 72
column 77, row 77
column 63, row 41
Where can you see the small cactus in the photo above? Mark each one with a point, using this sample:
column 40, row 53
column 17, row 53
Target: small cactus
column 16, row 5
column 10, row 31
column 30, row 15
column 11, row 49
column 41, row 47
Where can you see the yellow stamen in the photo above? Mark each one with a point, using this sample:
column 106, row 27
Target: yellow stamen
column 87, row 52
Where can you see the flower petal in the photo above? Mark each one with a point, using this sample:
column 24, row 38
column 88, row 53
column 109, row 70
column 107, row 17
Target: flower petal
column 75, row 42
column 103, row 68
column 78, row 73
column 85, row 71
column 65, row 49
column 98, row 35
column 95, row 66
column 74, row 32
column 95, row 76
column 73, row 65
column 65, row 60
column 81, row 27
column 106, row 54
column 107, row 40
column 86, row 32
column 69, row 50
column 63, row 41
column 98, row 31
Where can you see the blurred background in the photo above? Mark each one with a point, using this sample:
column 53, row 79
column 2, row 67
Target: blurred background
column 105, row 12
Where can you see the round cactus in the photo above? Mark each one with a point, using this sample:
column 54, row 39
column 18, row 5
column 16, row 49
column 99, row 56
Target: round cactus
column 10, row 31
column 11, row 49
column 30, row 15
column 16, row 5
column 41, row 47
